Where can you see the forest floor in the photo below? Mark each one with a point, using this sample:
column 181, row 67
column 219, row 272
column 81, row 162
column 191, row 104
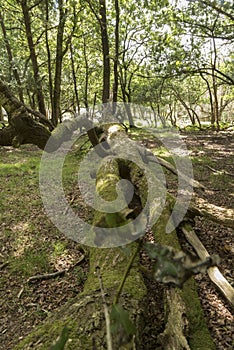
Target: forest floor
column 30, row 244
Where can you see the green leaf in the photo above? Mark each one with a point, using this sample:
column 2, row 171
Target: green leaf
column 61, row 342
column 120, row 319
column 175, row 267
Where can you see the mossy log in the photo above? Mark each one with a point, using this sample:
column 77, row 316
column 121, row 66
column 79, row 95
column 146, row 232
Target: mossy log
column 185, row 326
column 84, row 314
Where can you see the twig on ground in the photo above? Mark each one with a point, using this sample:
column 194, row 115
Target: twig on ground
column 215, row 275
column 222, row 172
column 20, row 292
column 48, row 276
column 54, row 274
column 71, row 202
column 4, row 265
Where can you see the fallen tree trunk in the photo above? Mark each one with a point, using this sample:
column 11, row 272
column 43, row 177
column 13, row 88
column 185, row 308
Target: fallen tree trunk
column 185, row 323
column 176, row 330
column 122, row 284
column 23, row 129
column 84, row 315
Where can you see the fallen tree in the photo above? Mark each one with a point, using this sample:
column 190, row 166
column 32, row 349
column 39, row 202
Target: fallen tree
column 110, row 312
column 124, row 290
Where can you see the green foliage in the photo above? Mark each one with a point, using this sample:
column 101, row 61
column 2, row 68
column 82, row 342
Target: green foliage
column 59, row 248
column 175, row 267
column 175, row 56
column 80, row 275
column 61, row 342
column 120, row 321
column 30, row 262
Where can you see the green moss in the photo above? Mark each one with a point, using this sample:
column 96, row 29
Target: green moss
column 113, row 263
column 200, row 338
column 47, row 333
column 30, row 262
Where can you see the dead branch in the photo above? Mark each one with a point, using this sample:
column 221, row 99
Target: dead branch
column 2, row 266
column 220, row 215
column 54, row 274
column 46, row 276
column 173, row 170
column 215, row 275
column 222, row 172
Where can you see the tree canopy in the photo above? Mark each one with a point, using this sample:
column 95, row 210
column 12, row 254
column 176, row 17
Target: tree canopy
column 47, row 46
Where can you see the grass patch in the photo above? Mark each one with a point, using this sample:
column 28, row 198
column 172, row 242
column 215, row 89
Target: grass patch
column 31, row 262
column 31, row 241
column 59, row 249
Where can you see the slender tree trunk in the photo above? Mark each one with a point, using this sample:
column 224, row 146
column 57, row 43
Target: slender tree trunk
column 49, row 65
column 212, row 118
column 74, row 80
column 116, row 80
column 33, row 56
column 56, row 112
column 155, row 115
column 188, row 109
column 126, row 97
column 214, row 85
column 105, row 52
column 86, row 103
column 13, row 69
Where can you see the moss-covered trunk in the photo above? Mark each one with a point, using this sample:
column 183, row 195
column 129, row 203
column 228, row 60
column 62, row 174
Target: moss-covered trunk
column 120, row 281
column 84, row 315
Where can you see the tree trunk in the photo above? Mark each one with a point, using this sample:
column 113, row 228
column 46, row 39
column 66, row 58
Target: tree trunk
column 122, row 285
column 49, row 65
column 77, row 100
column 212, row 111
column 84, row 315
column 214, row 79
column 86, row 87
column 56, row 112
column 33, row 56
column 116, row 59
column 105, row 52
column 126, row 95
column 13, row 69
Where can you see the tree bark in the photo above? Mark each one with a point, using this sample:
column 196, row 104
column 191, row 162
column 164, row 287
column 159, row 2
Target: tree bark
column 116, row 59
column 33, row 56
column 77, row 100
column 23, row 129
column 13, row 69
column 86, row 87
column 105, row 52
column 49, row 65
column 185, row 326
column 56, row 113
column 84, row 314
